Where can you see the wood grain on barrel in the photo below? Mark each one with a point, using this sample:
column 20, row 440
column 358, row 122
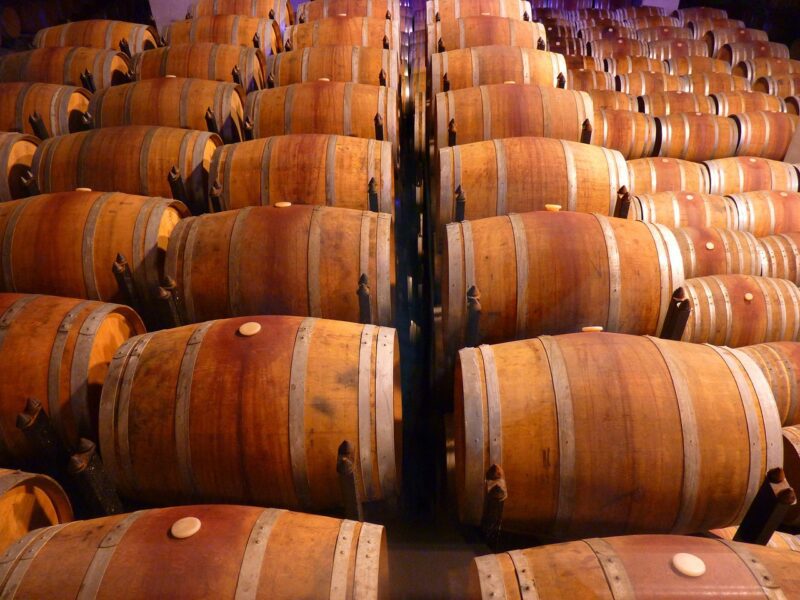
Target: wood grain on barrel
column 712, row 83
column 622, row 65
column 651, row 175
column 371, row 32
column 780, row 363
column 687, row 65
column 314, row 11
column 782, row 255
column 281, row 10
column 735, row 52
column 355, row 64
column 749, row 174
column 717, row 251
column 633, row 134
column 98, row 33
column 616, row 47
column 685, row 209
column 238, row 30
column 645, row 82
column 671, row 49
column 780, row 85
column 468, row 32
column 718, row 37
column 666, row 103
column 586, row 80
column 60, row 106
column 665, row 32
column 700, row 26
column 65, row 66
column 765, row 66
column 612, row 100
column 447, row 10
column 696, row 136
column 17, row 151
column 731, row 103
column 764, row 213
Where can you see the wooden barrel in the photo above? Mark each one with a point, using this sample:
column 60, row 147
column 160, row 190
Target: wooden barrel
column 203, row 60
column 337, row 171
column 355, row 64
column 27, row 502
column 731, row 103
column 780, row 539
column 331, row 107
column 765, row 213
column 639, row 83
column 305, row 383
column 633, row 134
column 173, row 102
column 60, row 106
column 448, row 10
column 712, row 83
column 685, row 209
column 64, row 367
column 560, row 31
column 651, row 175
column 793, row 105
column 653, row 21
column 741, row 310
column 237, row 30
column 686, row 65
column 567, row 45
column 671, row 49
column 314, row 11
column 238, row 551
column 589, row 34
column 284, row 270
column 65, row 66
column 715, row 39
column 485, row 113
column 582, row 62
column 780, row 363
column 612, row 100
column 522, row 174
column 612, row 48
column 468, row 32
column 543, row 273
column 666, row 103
column 135, row 159
column 791, row 465
column 622, row 65
column 701, row 26
column 700, row 12
column 487, row 65
column 280, row 10
column 85, row 232
column 750, row 174
column 665, row 32
column 765, row 66
column 782, row 85
column 692, row 388
column 98, row 33
column 16, row 156
column 639, row 566
column 633, row 12
column 587, row 80
column 718, row 251
column 765, row 134
column 696, row 136
column 370, row 32
column 782, row 255
column 735, row 52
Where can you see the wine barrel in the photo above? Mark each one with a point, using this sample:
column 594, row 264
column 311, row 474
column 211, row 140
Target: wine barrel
column 685, row 209
column 780, row 363
column 16, row 156
column 65, row 66
column 717, row 38
column 565, row 30
column 238, row 30
column 355, row 64
column 566, row 45
column 779, row 539
column 731, row 103
column 280, row 10
column 782, row 255
column 622, row 65
column 633, row 134
column 713, row 83
column 468, row 32
column 613, row 48
column 701, row 26
column 749, row 174
column 61, row 107
column 370, row 32
column 590, row 34
column 332, row 107
column 653, row 21
column 639, row 83
column 541, row 273
column 765, row 66
column 735, row 52
column 793, row 105
column 696, row 136
column 173, row 102
column 767, row 213
column 666, row 32
column 671, row 49
column 487, row 65
column 281, row 241
column 522, row 174
column 85, row 232
column 329, row 170
column 237, row 552
column 135, row 159
column 651, row 175
column 64, row 367
column 603, row 461
column 582, row 62
column 305, row 383
column 204, row 60
column 449, row 10
column 765, row 134
column 639, row 567
column 627, row 13
column 590, row 12
column 700, row 12
column 666, row 103
column 99, row 33
column 587, row 80
column 717, row 251
column 782, row 85
column 686, row 65
column 27, row 502
column 314, row 11
column 611, row 100
column 791, row 458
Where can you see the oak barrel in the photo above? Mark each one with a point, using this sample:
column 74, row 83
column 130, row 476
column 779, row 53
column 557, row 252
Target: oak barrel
column 602, row 32
column 98, row 33
column 782, row 255
column 717, row 251
column 686, row 65
column 700, row 26
column 237, row 552
column 665, row 32
column 716, row 38
column 61, row 107
column 238, row 30
column 780, row 363
column 765, row 213
column 685, row 209
column 779, row 539
column 305, row 168
column 612, row 100
column 355, row 64
column 622, row 65
column 780, row 85
column 65, row 66
column 587, row 80
column 791, row 457
column 468, row 32
column 696, row 136
column 651, row 175
column 712, row 83
column 793, row 105
column 735, row 52
column 750, row 173
column 611, row 48
column 65, row 363
column 671, row 49
column 321, row 9
column 698, row 465
column 295, row 260
column 280, row 10
column 370, row 32
column 27, row 502
column 627, row 13
column 17, row 151
column 568, row 46
column 633, row 134
column 700, row 12
column 581, row 62
column 653, row 21
column 665, row 103
column 448, row 10
column 646, row 82
column 135, row 159
column 731, row 103
column 765, row 66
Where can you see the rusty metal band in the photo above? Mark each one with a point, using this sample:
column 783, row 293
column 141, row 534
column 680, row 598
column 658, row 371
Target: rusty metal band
column 66, row 74
column 522, row 264
column 19, row 110
column 365, row 427
column 758, row 569
column 619, row 584
column 313, row 262
column 85, row 152
column 525, row 579
column 13, row 479
column 486, row 109
column 235, row 250
column 266, row 165
column 565, row 414
column 188, row 251
column 614, row 274
column 462, row 41
column 288, row 109
column 345, row 543
column 9, row 558
column 19, row 569
column 87, row 246
column 386, row 201
column 8, row 245
column 384, row 411
column 457, row 290
column 144, row 257
column 670, row 265
column 502, row 176
column 297, row 399
column 475, row 63
column 305, row 56
column 526, row 65
column 254, row 552
column 493, row 412
column 768, row 309
column 212, row 64
column 364, row 32
column 490, row 575
column 90, row 586
column 692, row 460
column 474, row 443
column 544, row 96
column 367, row 569
column 222, row 105
column 355, row 73
column 59, row 112
column 347, row 110
column 383, row 252
column 234, row 40
column 11, row 313
column 572, row 176
column 144, row 155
